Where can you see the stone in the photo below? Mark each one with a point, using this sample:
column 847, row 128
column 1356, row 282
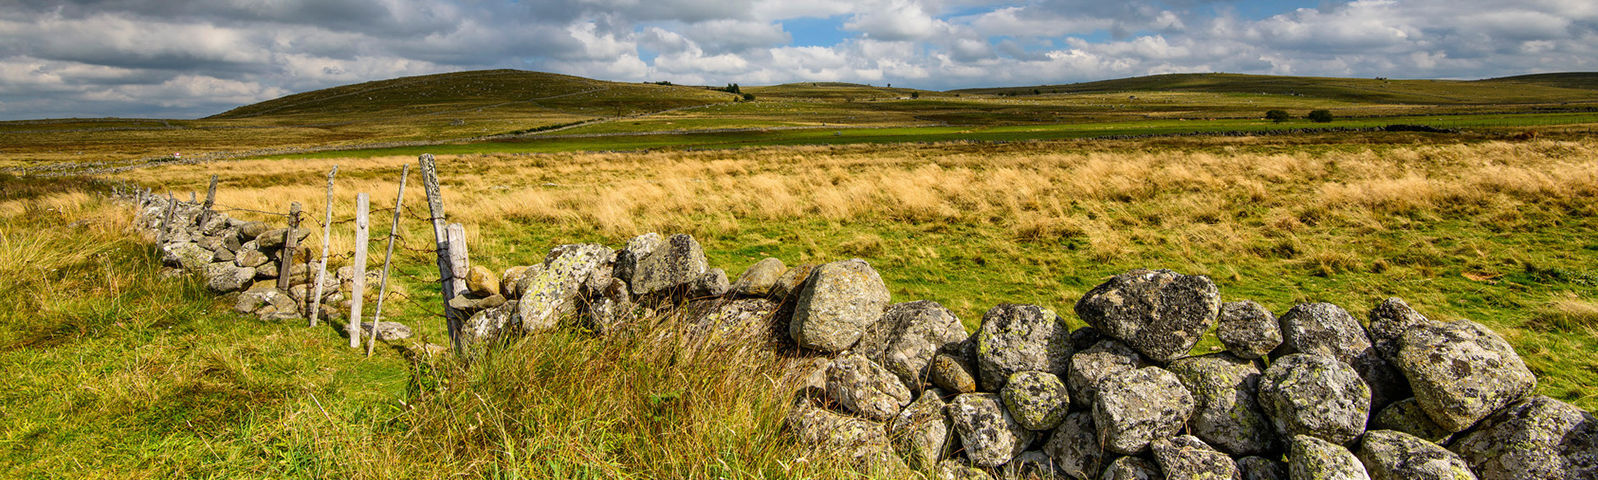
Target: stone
column 509, row 281
column 1085, row 338
column 224, row 277
column 991, row 437
column 1534, row 439
column 921, row 431
column 487, row 326
column 1187, row 457
column 1074, row 446
column 1461, row 372
column 249, row 257
column 472, row 305
column 264, row 300
column 386, row 331
column 863, row 442
column 952, row 469
column 1135, row 407
column 609, row 308
column 1089, row 367
column 250, row 230
column 1388, row 321
column 1316, row 396
column 1020, row 338
column 1391, row 455
column 863, row 387
column 1314, row 459
column 1029, row 464
column 1261, row 468
column 1328, row 330
column 760, row 279
column 481, row 282
column 210, row 242
column 554, row 292
column 1159, row 313
column 1037, row 400
column 676, row 263
column 907, row 336
column 273, row 239
column 636, row 249
column 186, row 255
column 950, row 371
column 838, row 302
column 1247, row 329
column 792, row 281
column 1226, row 411
column 1407, row 416
column 744, row 318
column 527, row 278
column 1131, row 468
column 712, row 284
column 231, row 241
column 223, row 255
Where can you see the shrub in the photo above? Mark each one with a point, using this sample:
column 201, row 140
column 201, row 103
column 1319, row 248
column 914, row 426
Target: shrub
column 749, row 97
column 1320, row 116
column 1277, row 116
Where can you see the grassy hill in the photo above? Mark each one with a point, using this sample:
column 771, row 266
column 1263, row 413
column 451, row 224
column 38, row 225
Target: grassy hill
column 1580, row 80
column 1542, row 89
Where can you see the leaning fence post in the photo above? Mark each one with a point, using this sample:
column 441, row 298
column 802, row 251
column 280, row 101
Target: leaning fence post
column 435, row 209
column 358, row 291
column 393, row 231
column 210, row 201
column 166, row 222
column 290, row 244
column 327, row 237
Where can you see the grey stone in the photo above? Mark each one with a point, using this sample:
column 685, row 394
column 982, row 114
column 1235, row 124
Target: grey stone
column 760, row 279
column 1407, row 416
column 990, row 435
column 1135, row 407
column 1089, row 367
column 712, row 284
column 186, row 255
column 487, row 326
column 1314, row 395
column 1261, row 468
column 676, row 263
column 1020, row 338
column 224, row 277
column 249, row 257
column 1328, row 330
column 1315, row 459
column 792, row 281
column 1187, row 457
column 1037, row 400
column 273, row 239
column 526, row 279
column 472, row 305
column 637, row 248
column 223, row 255
column 863, row 387
column 1388, row 321
column 509, row 281
column 1461, row 372
column 1391, row 455
column 386, row 331
column 1074, row 445
column 1533, row 439
column 922, row 431
column 1247, row 329
column 250, row 230
column 863, row 442
column 210, row 242
column 744, row 318
column 609, row 308
column 838, row 302
column 1131, row 468
column 1227, row 412
column 554, row 291
column 907, row 336
column 1159, row 313
column 263, row 300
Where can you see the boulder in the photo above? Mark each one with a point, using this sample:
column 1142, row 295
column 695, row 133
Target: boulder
column 249, row 257
column 509, row 280
column 921, row 431
column 744, row 318
column 265, row 300
column 863, row 442
column 526, row 279
column 472, row 305
column 1461, row 372
column 1261, row 468
column 1020, row 338
column 1135, row 407
column 1328, row 330
column 863, row 387
column 951, row 371
column 486, row 326
column 1226, row 411
column 637, row 248
column 555, row 291
column 792, row 281
column 1247, row 329
column 481, row 282
column 186, row 255
column 386, row 331
column 1037, row 400
column 760, row 279
column 1390, row 455
column 1187, row 457
column 223, row 255
column 907, row 336
column 674, row 264
column 224, row 277
column 273, row 239
column 1131, row 468
column 991, row 437
column 1314, row 459
column 712, row 284
column 1159, row 313
column 1074, row 446
column 250, row 230
column 1388, row 321
column 1407, row 416
column 838, row 302
column 1313, row 395
column 1533, row 439
column 609, row 308
column 1089, row 367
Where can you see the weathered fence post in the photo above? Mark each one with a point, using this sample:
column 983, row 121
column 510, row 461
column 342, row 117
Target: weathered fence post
column 358, row 291
column 166, row 222
column 435, row 209
column 210, row 201
column 459, row 264
column 388, row 257
column 291, row 241
column 327, row 238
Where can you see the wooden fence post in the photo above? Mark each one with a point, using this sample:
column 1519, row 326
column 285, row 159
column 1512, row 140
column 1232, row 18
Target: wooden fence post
column 359, row 289
column 166, row 222
column 388, row 257
column 460, row 265
column 327, row 238
column 435, row 209
column 210, row 201
column 291, row 242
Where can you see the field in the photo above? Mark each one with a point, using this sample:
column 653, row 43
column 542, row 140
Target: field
column 121, row 373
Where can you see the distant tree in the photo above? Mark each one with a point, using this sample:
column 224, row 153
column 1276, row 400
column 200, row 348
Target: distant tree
column 1277, row 116
column 915, row 94
column 731, row 88
column 1037, row 92
column 1320, row 116
column 749, row 97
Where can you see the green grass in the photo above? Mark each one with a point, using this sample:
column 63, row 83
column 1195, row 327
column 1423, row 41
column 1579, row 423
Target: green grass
column 1440, row 92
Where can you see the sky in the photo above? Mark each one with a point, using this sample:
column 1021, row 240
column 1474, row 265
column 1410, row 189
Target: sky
column 192, row 58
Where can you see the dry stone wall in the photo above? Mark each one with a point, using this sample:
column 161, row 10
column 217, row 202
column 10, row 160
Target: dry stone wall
column 902, row 387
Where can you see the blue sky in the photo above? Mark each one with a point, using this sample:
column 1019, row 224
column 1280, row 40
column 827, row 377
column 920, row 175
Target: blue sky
column 190, row 58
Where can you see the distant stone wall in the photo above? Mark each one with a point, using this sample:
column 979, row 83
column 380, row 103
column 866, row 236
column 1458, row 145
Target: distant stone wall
column 1312, row 393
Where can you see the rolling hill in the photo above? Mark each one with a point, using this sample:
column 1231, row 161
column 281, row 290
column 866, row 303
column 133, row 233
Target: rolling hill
column 1548, row 88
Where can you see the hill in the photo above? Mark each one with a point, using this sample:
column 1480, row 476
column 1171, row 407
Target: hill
column 1581, row 80
column 1551, row 89
column 829, row 91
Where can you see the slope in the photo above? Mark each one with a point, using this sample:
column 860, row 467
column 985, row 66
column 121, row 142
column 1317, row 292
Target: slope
column 1374, row 90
